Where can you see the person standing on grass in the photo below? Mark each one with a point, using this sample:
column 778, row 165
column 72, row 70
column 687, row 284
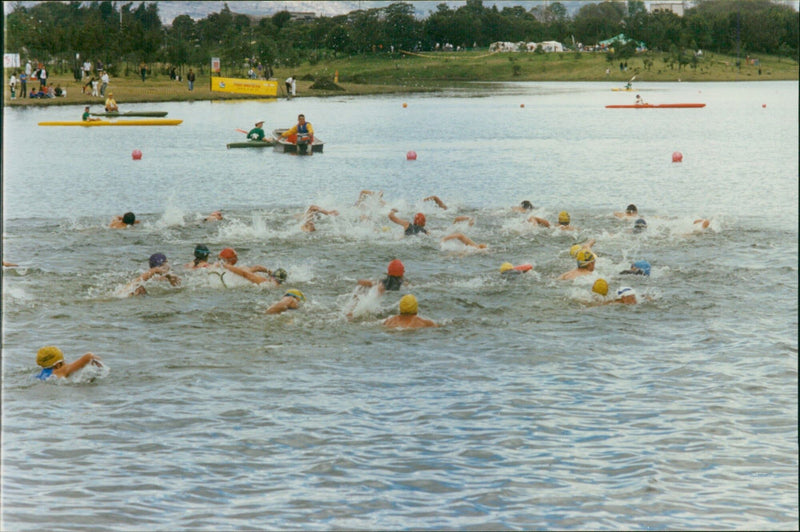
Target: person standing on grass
column 190, row 77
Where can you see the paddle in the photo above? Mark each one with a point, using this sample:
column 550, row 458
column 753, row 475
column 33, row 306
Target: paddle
column 242, row 131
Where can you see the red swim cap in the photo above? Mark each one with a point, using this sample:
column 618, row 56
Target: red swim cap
column 419, row 219
column 227, row 253
column 396, row 268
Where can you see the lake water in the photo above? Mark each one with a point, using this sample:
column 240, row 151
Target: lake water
column 528, row 408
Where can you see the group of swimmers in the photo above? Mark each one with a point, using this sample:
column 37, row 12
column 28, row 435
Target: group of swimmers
column 51, row 359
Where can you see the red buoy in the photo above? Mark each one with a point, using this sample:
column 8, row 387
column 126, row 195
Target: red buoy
column 522, row 105
column 677, row 157
column 764, row 105
column 136, row 154
column 411, row 156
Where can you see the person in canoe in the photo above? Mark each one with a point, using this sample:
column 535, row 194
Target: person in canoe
column 111, row 104
column 87, row 116
column 303, row 132
column 257, row 133
column 639, row 100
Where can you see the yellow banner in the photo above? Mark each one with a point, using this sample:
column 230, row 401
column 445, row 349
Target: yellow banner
column 259, row 87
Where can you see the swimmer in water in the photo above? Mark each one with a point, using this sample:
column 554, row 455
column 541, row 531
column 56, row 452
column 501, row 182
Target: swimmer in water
column 524, row 206
column 291, row 300
column 311, row 215
column 585, row 260
column 630, row 211
column 438, row 202
column 639, row 226
column 121, row 222
column 370, row 194
column 573, row 251
column 229, row 258
column 563, row 221
column 464, row 240
column 51, row 359
column 508, row 271
column 201, row 253
column 159, row 269
column 408, row 318
column 213, row 217
column 410, row 228
column 640, row 267
column 393, row 280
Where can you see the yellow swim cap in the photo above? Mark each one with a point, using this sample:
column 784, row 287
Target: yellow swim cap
column 506, row 266
column 408, row 304
column 563, row 217
column 574, row 249
column 600, row 286
column 295, row 293
column 585, row 257
column 49, row 356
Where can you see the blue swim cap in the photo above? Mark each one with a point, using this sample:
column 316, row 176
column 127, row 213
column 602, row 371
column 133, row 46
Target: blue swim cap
column 643, row 266
column 639, row 225
column 157, row 259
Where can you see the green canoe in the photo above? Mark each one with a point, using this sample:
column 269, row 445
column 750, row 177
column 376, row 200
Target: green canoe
column 266, row 143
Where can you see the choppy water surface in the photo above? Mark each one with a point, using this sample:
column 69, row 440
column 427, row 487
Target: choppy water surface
column 527, row 409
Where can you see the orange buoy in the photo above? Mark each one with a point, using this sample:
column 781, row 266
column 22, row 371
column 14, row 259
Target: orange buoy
column 764, row 105
column 522, row 105
column 405, row 105
column 411, row 156
column 677, row 157
column 136, row 155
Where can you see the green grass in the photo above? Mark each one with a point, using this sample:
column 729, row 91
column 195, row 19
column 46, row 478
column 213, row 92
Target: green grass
column 382, row 73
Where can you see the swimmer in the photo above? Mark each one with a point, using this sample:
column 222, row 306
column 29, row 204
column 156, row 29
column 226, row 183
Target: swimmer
column 369, row 194
column 311, row 216
column 51, row 359
column 600, row 287
column 625, row 296
column 702, row 222
column 229, row 258
column 213, row 217
column 585, row 259
column 201, row 253
column 468, row 219
column 640, row 267
column 438, row 202
column 639, row 226
column 573, row 251
column 159, row 268
column 410, row 228
column 121, row 222
column 393, row 280
column 408, row 319
column 630, row 211
column 535, row 220
column 564, row 221
column 509, row 271
column 291, row 300
column 524, row 206
column 7, row 264
column 464, row 240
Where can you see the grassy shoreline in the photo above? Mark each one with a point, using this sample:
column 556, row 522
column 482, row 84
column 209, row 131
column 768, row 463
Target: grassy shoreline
column 409, row 73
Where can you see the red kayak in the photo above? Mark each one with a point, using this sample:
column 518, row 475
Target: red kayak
column 659, row 106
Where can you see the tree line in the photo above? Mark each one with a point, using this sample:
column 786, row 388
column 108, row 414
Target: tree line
column 57, row 32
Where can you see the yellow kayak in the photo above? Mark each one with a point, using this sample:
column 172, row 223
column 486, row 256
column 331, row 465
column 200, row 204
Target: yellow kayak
column 135, row 122
column 623, row 89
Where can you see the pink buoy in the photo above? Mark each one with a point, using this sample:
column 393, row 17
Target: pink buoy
column 136, row 154
column 411, row 156
column 677, row 157
column 764, row 105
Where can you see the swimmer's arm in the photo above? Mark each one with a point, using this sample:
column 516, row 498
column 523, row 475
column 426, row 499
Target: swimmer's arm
column 67, row 369
column 366, row 282
column 539, row 221
column 468, row 219
column 439, row 202
column 285, row 303
column 398, row 221
column 247, row 274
